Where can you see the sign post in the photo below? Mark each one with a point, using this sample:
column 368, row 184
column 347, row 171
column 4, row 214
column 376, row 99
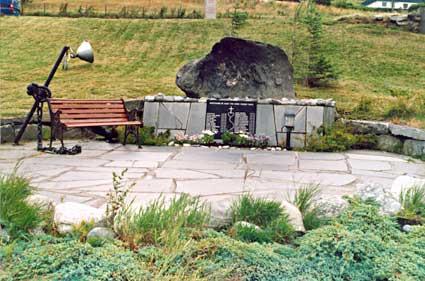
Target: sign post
column 210, row 9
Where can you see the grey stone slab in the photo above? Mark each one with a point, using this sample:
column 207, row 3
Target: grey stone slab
column 150, row 114
column 411, row 169
column 228, row 173
column 372, row 157
column 278, row 158
column 64, row 197
column 121, row 164
column 369, row 127
column 259, row 184
column 196, row 122
column 146, row 164
column 70, row 185
column 65, row 161
column 153, row 185
column 200, row 165
column 387, row 174
column 297, row 140
column 314, row 118
column 139, row 155
column 83, row 175
column 300, row 117
column 414, row 148
column 328, row 115
column 323, row 165
column 210, row 186
column 265, row 124
column 369, row 165
column 320, row 156
column 95, row 145
column 386, row 182
column 182, row 174
column 173, row 115
column 7, row 133
column 208, row 154
column 17, row 154
column 389, row 143
column 323, row 179
column 407, row 132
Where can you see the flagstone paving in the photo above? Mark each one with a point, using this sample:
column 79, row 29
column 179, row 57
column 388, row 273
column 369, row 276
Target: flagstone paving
column 214, row 174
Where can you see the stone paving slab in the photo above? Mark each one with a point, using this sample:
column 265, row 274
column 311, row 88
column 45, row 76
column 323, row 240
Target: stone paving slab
column 217, row 175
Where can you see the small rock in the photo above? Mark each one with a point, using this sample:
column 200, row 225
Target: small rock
column 378, row 17
column 402, row 183
column 407, row 228
column 252, row 148
column 69, row 213
column 40, row 200
column 177, row 145
column 414, row 148
column 278, row 148
column 295, row 216
column 331, row 206
column 171, row 143
column 226, row 146
column 389, row 204
column 187, row 144
column 101, row 233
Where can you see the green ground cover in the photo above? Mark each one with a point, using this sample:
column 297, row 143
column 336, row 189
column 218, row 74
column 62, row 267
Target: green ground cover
column 173, row 242
column 134, row 58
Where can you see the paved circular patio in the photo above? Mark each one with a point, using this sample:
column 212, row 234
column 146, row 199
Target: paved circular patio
column 212, row 173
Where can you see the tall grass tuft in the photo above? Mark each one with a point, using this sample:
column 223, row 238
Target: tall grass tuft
column 304, row 199
column 258, row 211
column 17, row 216
column 412, row 201
column 159, row 224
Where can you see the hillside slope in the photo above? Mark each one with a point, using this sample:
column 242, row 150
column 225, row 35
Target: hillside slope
column 134, row 58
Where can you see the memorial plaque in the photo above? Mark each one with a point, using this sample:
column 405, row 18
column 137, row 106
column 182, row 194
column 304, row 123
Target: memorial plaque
column 231, row 116
column 210, row 9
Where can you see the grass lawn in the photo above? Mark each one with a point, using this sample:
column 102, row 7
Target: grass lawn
column 134, row 58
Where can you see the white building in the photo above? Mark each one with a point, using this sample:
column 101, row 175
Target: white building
column 398, row 5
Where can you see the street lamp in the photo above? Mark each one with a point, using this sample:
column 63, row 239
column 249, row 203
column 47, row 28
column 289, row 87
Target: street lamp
column 289, row 124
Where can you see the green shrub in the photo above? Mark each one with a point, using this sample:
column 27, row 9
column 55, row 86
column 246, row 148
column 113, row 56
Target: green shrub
column 399, row 110
column 258, row 211
column 16, row 214
column 248, row 233
column 148, row 137
column 304, row 199
column 162, row 224
column 412, row 201
column 363, row 109
column 65, row 259
column 339, row 138
column 280, row 230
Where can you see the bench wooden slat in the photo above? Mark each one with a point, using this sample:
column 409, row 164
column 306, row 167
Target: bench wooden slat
column 87, row 115
column 77, row 125
column 85, row 106
column 65, row 101
column 103, row 120
column 95, row 110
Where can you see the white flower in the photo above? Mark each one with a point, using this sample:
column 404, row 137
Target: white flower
column 208, row 132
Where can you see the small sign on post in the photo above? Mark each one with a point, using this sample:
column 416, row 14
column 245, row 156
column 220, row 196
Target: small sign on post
column 210, row 9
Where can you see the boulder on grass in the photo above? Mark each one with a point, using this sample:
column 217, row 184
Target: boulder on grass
column 295, row 216
column 389, row 204
column 69, row 213
column 238, row 68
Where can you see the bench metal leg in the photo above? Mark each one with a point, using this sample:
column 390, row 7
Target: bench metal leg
column 125, row 135
column 138, row 137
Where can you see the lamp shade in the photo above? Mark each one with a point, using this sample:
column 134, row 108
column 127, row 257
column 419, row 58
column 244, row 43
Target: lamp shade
column 85, row 52
column 289, row 120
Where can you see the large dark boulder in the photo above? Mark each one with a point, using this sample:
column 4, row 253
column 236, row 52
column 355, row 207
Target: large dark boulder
column 238, row 68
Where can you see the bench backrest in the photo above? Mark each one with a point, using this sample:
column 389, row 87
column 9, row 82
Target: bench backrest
column 90, row 111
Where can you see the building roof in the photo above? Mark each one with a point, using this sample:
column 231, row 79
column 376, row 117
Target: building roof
column 367, row 2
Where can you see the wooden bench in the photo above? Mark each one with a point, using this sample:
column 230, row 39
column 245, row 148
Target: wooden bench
column 77, row 113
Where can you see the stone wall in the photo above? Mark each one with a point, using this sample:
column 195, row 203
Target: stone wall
column 393, row 138
column 187, row 116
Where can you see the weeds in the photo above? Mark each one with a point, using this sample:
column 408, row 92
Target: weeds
column 270, row 222
column 412, row 201
column 116, row 198
column 162, row 224
column 16, row 214
column 258, row 211
column 304, row 199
